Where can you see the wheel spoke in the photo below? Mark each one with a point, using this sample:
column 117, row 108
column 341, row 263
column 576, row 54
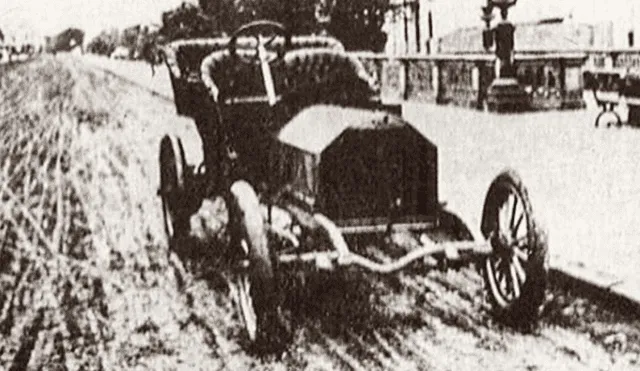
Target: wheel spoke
column 522, row 276
column 501, row 219
column 245, row 246
column 517, row 224
column 498, row 269
column 507, row 280
column 515, row 282
column 504, row 284
column 245, row 300
column 246, row 306
column 513, row 211
column 520, row 242
column 496, row 263
column 268, row 42
column 520, row 254
column 168, row 218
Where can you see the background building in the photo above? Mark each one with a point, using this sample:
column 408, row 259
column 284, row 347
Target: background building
column 417, row 26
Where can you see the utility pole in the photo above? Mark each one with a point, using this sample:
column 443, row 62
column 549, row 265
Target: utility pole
column 417, row 24
column 406, row 26
column 430, row 28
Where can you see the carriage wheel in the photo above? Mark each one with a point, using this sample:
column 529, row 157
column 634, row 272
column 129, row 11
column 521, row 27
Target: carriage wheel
column 172, row 187
column 515, row 273
column 618, row 120
column 255, row 286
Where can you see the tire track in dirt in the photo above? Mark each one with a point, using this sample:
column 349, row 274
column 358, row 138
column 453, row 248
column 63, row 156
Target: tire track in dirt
column 161, row 316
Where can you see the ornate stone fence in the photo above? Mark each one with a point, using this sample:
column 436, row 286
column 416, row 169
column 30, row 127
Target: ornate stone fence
column 553, row 80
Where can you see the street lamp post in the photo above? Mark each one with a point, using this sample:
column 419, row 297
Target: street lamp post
column 504, row 93
column 323, row 9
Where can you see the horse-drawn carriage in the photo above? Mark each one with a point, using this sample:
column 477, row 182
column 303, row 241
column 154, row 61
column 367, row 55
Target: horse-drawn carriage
column 309, row 161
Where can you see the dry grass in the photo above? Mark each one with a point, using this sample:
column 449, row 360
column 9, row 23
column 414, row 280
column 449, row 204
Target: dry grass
column 51, row 296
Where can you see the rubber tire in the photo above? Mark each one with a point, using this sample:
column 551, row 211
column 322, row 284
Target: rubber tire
column 246, row 221
column 525, row 310
column 173, row 191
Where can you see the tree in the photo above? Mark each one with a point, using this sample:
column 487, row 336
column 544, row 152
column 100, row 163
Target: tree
column 187, row 21
column 358, row 23
column 66, row 40
column 105, row 43
column 228, row 15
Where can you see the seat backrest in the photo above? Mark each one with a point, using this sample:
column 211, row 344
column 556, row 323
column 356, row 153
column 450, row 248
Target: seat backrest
column 326, row 72
column 224, row 74
column 317, row 74
column 184, row 57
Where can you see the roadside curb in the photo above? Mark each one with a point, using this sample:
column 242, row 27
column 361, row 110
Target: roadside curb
column 622, row 295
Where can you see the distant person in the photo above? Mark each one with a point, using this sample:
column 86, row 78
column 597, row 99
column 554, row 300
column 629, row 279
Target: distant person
column 151, row 54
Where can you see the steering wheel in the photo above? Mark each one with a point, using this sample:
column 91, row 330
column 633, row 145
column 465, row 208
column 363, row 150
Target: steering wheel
column 257, row 29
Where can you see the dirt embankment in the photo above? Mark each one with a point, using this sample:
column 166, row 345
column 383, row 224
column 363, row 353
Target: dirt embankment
column 86, row 281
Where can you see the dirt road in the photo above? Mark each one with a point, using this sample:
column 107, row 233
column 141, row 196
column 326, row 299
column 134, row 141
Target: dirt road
column 90, row 284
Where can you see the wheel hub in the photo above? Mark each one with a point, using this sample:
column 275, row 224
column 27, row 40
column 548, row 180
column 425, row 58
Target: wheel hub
column 502, row 246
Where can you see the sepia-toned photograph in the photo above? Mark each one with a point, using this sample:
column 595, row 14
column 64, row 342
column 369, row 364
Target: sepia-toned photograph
column 443, row 185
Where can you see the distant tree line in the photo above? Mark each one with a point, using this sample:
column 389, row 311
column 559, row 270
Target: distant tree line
column 105, row 43
column 66, row 40
column 135, row 39
column 357, row 23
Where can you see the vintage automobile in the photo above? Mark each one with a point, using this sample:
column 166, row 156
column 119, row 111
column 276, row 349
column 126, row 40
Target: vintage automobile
column 308, row 161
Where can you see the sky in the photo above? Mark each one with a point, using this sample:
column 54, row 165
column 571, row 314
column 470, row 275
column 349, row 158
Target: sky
column 448, row 14
column 46, row 17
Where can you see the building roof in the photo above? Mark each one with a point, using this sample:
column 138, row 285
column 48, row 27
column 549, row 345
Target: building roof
column 546, row 35
column 315, row 128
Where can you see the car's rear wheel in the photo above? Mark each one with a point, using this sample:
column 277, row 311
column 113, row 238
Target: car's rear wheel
column 515, row 273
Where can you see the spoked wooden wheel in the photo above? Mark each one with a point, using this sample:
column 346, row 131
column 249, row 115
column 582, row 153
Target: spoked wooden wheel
column 255, row 287
column 617, row 121
column 172, row 187
column 516, row 272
